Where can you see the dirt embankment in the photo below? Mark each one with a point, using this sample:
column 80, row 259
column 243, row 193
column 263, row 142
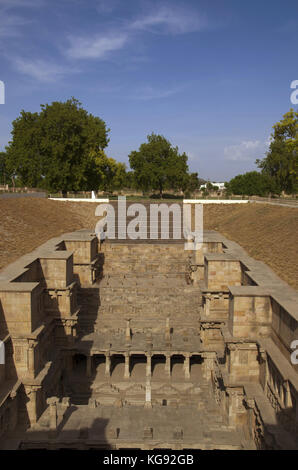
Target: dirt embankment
column 26, row 223
column 268, row 233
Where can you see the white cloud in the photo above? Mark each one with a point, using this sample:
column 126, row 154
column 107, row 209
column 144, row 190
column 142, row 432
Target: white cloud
column 246, row 150
column 40, row 69
column 170, row 20
column 164, row 20
column 96, row 47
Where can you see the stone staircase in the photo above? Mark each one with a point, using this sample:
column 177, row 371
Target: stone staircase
column 144, row 282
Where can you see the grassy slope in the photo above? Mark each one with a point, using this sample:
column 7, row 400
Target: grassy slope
column 268, row 233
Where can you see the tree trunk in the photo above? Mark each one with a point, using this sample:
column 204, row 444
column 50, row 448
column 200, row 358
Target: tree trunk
column 64, row 193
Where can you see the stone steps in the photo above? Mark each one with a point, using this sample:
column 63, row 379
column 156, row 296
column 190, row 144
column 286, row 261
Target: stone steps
column 145, row 283
column 136, row 320
column 149, row 249
column 145, row 310
column 154, row 290
column 149, row 282
column 139, row 300
column 150, row 265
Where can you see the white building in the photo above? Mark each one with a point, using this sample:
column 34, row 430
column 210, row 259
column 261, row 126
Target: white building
column 220, row 186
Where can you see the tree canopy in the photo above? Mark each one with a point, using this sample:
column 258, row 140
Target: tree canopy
column 281, row 161
column 56, row 147
column 4, row 173
column 158, row 165
column 252, row 183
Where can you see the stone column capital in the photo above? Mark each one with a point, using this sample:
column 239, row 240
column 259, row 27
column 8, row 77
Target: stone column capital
column 52, row 401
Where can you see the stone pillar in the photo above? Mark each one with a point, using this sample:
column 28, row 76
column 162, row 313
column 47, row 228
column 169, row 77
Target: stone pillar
column 187, row 366
column 263, row 357
column 126, row 366
column 127, row 331
column 108, row 364
column 148, row 365
column 52, row 402
column 287, row 394
column 168, row 365
column 89, row 366
column 208, row 364
column 282, row 393
column 31, row 359
column 32, row 405
column 68, row 328
column 31, row 362
column 148, row 403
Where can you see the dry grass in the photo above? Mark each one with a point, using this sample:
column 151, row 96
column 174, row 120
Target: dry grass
column 268, row 233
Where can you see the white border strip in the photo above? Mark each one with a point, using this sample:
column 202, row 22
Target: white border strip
column 73, row 199
column 215, row 201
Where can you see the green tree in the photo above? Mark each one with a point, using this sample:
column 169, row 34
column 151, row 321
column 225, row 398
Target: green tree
column 252, row 183
column 281, row 161
column 193, row 182
column 53, row 148
column 5, row 176
column 130, row 182
column 209, row 186
column 102, row 172
column 158, row 165
column 23, row 154
column 119, row 177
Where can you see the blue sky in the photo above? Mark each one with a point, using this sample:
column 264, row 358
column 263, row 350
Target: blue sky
column 212, row 76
